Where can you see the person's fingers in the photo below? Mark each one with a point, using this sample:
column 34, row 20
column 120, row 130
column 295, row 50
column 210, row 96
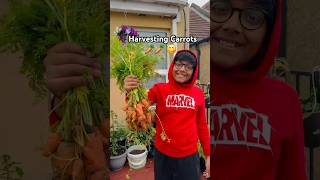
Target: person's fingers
column 130, row 87
column 69, row 70
column 68, row 58
column 132, row 83
column 60, row 85
column 132, row 77
column 205, row 174
column 68, row 47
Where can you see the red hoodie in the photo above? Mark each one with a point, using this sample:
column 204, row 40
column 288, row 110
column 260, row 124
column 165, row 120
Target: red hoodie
column 256, row 124
column 181, row 109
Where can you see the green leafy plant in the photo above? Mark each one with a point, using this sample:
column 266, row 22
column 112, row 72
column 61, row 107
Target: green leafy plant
column 280, row 69
column 130, row 59
column 9, row 169
column 141, row 138
column 118, row 133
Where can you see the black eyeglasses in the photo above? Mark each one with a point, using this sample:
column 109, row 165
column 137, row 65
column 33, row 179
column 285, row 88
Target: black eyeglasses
column 179, row 66
column 250, row 18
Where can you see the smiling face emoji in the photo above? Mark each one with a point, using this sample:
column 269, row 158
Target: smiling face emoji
column 171, row 49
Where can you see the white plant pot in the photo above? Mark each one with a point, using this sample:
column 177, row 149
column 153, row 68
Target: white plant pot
column 137, row 161
column 117, row 162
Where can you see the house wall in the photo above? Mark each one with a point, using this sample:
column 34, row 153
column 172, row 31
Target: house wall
column 24, row 125
column 146, row 21
column 204, row 61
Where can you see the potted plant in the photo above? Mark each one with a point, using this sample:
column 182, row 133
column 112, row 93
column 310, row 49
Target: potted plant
column 138, row 143
column 118, row 135
column 10, row 169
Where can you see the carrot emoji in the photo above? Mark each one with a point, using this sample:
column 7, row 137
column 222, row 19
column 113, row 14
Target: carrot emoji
column 52, row 145
column 159, row 49
column 149, row 49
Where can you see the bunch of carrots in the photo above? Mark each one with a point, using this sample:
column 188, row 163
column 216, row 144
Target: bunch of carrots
column 133, row 59
column 89, row 162
column 139, row 116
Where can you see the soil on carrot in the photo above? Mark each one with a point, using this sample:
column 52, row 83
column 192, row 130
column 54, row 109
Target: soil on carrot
column 137, row 152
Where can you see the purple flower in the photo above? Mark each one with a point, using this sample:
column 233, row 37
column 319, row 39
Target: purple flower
column 126, row 31
column 133, row 32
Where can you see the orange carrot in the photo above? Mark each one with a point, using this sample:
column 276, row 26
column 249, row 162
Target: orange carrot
column 65, row 152
column 104, row 140
column 130, row 113
column 126, row 106
column 139, row 109
column 93, row 151
column 144, row 126
column 149, row 117
column 145, row 103
column 135, row 126
column 77, row 170
column 133, row 115
column 105, row 128
column 141, row 118
column 52, row 145
column 129, row 125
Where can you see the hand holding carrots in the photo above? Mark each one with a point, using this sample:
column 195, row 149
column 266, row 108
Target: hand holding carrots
column 65, row 65
column 131, row 82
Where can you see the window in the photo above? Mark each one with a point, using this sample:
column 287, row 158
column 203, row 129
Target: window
column 163, row 66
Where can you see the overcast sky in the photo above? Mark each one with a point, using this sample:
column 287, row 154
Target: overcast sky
column 198, row 2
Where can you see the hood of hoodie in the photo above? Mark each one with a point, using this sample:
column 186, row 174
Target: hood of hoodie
column 267, row 59
column 193, row 78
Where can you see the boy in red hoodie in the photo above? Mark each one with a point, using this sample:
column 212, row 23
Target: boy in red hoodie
column 256, row 122
column 181, row 109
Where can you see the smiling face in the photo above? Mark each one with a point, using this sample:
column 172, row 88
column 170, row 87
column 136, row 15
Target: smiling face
column 171, row 48
column 234, row 46
column 182, row 71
